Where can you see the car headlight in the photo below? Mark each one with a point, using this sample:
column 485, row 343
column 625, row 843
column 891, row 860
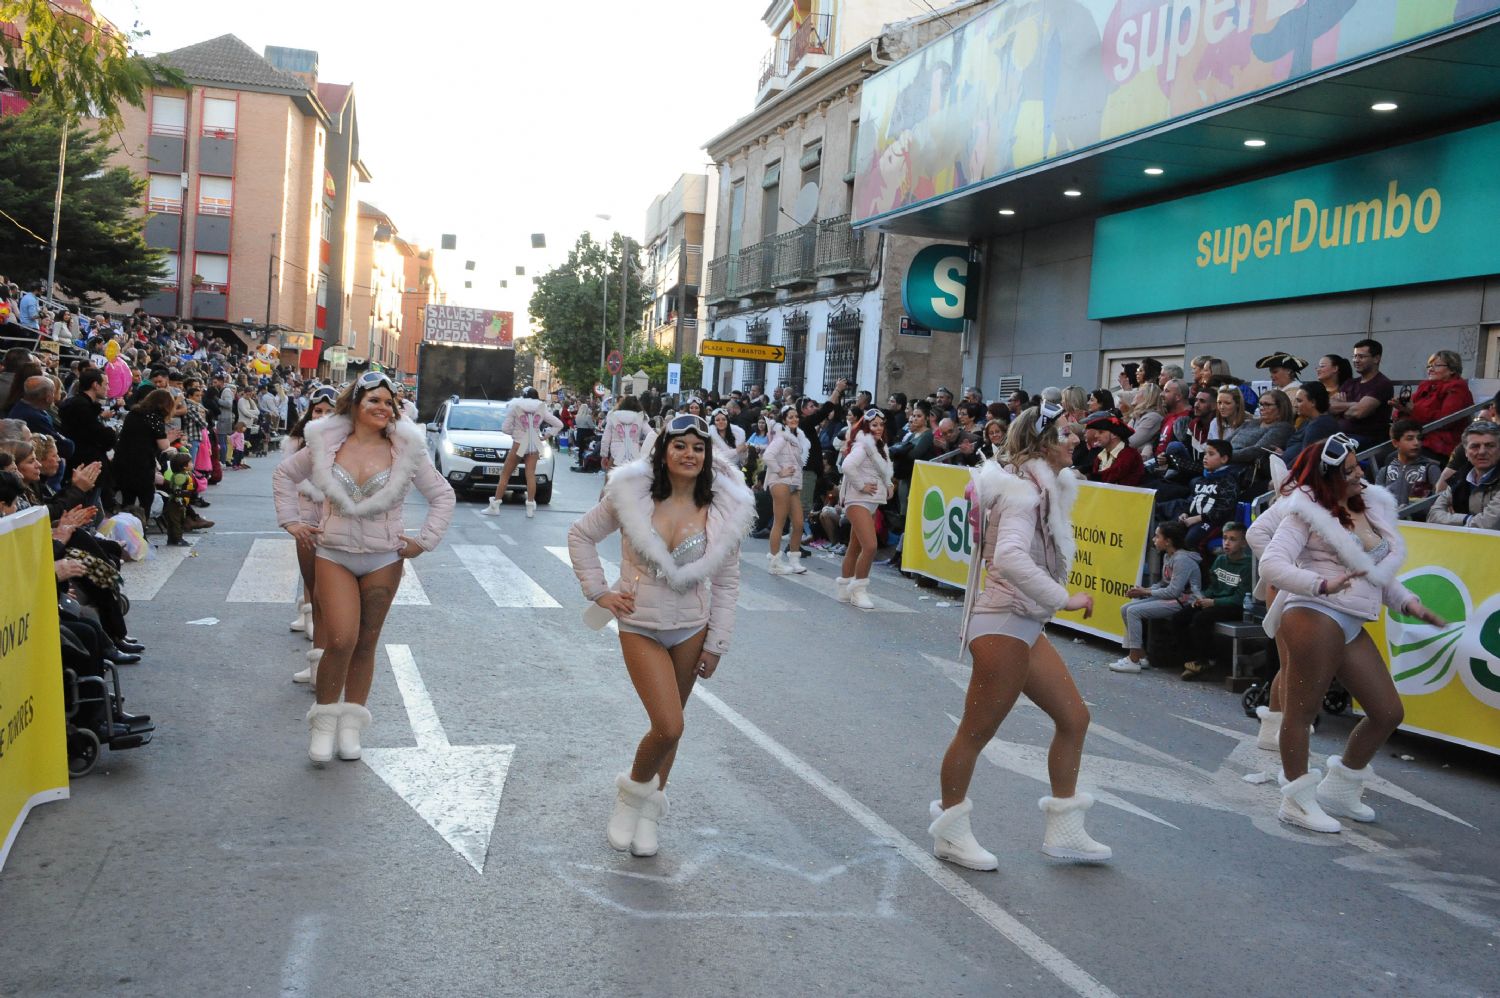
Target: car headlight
column 457, row 450
column 546, row 451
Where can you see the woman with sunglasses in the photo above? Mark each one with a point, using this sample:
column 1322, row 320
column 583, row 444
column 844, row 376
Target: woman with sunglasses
column 866, row 486
column 1333, row 559
column 785, row 457
column 310, row 511
column 364, row 458
column 681, row 519
column 528, row 422
column 1026, row 530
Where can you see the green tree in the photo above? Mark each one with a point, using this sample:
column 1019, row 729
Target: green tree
column 101, row 246
column 654, row 360
column 568, row 321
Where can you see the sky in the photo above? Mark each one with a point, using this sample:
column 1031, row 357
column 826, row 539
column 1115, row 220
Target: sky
column 496, row 120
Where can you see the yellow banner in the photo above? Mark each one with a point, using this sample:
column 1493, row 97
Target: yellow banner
column 33, row 737
column 1449, row 677
column 1111, row 524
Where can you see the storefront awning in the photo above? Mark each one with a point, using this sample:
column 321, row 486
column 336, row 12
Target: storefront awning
column 1437, row 84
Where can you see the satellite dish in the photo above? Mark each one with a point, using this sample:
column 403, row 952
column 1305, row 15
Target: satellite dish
column 806, row 208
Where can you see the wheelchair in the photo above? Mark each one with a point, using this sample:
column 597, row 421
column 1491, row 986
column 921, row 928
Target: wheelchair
column 99, row 700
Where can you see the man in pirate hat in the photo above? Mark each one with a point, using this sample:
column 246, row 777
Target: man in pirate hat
column 1284, row 368
column 1115, row 462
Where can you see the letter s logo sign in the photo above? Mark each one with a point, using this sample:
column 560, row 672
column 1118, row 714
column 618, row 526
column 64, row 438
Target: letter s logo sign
column 952, row 280
column 935, row 292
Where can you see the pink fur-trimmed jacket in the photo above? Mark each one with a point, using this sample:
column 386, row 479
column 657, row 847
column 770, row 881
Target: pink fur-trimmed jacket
column 309, row 496
column 1028, row 541
column 864, row 465
column 372, row 524
column 667, row 595
column 1308, row 544
column 785, row 456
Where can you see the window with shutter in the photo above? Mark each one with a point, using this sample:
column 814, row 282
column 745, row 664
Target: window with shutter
column 218, row 116
column 168, row 115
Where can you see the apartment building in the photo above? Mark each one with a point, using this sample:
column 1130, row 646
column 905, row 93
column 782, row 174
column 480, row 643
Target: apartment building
column 673, row 258
column 420, row 288
column 787, row 267
column 376, row 321
column 249, row 188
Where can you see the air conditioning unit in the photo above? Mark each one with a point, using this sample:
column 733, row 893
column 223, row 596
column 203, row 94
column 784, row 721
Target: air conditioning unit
column 1009, row 383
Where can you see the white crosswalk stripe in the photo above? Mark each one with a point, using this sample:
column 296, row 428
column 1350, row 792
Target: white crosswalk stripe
column 817, row 583
column 505, row 582
column 144, row 579
column 410, row 592
column 268, row 574
column 750, row 599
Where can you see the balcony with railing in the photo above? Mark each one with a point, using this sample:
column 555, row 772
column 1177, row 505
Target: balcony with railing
column 716, row 284
column 841, row 249
column 810, row 46
column 754, row 267
column 166, row 206
column 792, row 255
column 773, row 71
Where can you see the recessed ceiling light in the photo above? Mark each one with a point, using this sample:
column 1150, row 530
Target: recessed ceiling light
column 1385, row 105
column 1154, row 171
column 1007, row 211
column 1072, row 192
column 1255, row 143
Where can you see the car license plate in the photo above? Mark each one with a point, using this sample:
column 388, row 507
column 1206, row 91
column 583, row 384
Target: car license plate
column 490, row 470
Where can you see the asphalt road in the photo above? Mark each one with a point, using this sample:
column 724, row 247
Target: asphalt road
column 466, row 854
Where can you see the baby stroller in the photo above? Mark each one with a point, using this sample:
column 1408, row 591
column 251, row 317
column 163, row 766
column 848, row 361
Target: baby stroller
column 93, row 706
column 1335, row 701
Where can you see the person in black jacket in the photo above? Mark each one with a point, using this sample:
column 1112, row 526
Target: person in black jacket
column 916, row 446
column 813, row 416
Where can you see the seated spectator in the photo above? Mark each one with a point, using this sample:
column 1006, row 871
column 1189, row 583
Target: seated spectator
column 1114, row 462
column 1362, row 403
column 965, row 452
column 1443, row 393
column 1410, row 475
column 1179, row 586
column 1145, row 417
column 1182, row 459
column 992, row 448
column 1220, row 377
column 1473, row 499
column 1316, row 421
column 1223, row 599
column 1213, row 497
column 1283, row 369
column 1266, row 435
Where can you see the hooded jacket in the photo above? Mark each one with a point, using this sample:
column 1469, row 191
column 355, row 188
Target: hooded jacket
column 1181, row 578
column 373, row 524
column 786, row 456
column 526, row 423
column 623, row 431
column 1027, row 547
column 864, row 465
column 1309, row 545
column 667, row 595
column 309, row 497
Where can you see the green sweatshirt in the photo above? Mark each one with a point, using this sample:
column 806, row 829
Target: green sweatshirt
column 1228, row 581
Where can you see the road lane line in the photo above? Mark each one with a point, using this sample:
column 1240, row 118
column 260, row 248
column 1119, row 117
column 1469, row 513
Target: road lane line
column 1003, row 922
column 749, row 598
column 504, row 581
column 144, row 579
column 818, row 584
column 296, row 969
column 410, row 592
column 268, row 574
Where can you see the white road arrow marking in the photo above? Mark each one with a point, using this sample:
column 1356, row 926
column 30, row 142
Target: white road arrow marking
column 454, row 788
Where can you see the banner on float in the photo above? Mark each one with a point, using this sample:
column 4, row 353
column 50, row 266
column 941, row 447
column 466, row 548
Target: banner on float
column 1111, row 524
column 1449, row 677
column 33, row 738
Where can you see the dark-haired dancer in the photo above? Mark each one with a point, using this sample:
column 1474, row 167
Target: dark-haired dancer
column 681, row 519
column 1026, row 532
column 1333, row 557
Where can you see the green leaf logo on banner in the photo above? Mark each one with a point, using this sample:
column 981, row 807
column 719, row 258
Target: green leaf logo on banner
column 934, row 510
column 1425, row 658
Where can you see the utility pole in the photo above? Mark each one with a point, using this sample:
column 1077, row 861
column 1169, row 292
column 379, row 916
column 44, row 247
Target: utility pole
column 604, row 314
column 624, row 299
column 62, row 161
column 270, row 278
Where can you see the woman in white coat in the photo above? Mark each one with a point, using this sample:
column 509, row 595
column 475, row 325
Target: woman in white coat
column 528, row 423
column 681, row 519
column 865, row 487
column 1334, row 558
column 785, row 457
column 1026, row 530
column 624, row 429
column 729, row 440
column 309, row 510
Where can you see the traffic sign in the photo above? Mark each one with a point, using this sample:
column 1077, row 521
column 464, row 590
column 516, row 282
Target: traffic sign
column 615, row 362
column 768, row 352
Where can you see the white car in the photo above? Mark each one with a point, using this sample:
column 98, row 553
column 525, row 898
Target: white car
column 469, row 450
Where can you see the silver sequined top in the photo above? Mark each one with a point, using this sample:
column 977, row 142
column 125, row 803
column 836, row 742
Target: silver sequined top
column 691, row 549
column 358, row 492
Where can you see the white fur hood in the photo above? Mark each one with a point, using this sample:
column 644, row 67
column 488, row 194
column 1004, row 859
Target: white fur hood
column 730, row 517
column 865, row 453
column 1380, row 511
column 325, row 436
column 529, row 406
column 1005, row 488
column 625, row 417
column 289, row 446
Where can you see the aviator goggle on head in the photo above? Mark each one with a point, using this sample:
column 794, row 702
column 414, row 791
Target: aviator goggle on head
column 686, row 423
column 1336, row 450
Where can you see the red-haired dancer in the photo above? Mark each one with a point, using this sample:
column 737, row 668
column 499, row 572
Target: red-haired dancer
column 866, row 486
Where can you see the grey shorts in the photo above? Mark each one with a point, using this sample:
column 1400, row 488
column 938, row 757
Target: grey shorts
column 1351, row 625
column 668, row 638
column 359, row 563
column 869, row 505
column 1007, row 625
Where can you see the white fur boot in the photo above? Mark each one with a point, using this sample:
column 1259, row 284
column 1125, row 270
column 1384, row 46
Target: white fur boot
column 627, row 813
column 304, row 614
column 953, row 840
column 322, row 725
column 309, row 674
column 530, row 508
column 1270, row 729
column 841, row 589
column 778, row 565
column 645, row 842
column 859, row 594
column 354, row 719
column 1066, row 838
column 1340, row 790
column 1299, row 805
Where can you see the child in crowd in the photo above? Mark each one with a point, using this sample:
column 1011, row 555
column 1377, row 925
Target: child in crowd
column 179, row 487
column 237, row 447
column 1410, row 475
column 1214, row 495
column 1222, row 599
column 1180, row 586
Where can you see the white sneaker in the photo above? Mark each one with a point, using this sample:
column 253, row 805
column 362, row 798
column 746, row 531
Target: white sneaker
column 493, row 509
column 841, row 589
column 1299, row 805
column 322, row 725
column 1340, row 791
column 953, row 840
column 353, row 719
column 1124, row 664
column 530, row 508
column 309, row 674
column 778, row 565
column 653, row 810
column 1066, row 838
column 793, row 561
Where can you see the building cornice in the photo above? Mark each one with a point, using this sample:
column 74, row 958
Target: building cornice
column 841, row 75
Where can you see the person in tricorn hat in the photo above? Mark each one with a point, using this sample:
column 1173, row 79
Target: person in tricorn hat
column 1116, row 462
column 1284, row 368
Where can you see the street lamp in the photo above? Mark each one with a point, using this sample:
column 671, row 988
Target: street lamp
column 604, row 313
